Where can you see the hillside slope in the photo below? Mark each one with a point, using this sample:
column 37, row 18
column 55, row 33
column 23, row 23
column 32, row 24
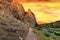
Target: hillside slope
column 13, row 23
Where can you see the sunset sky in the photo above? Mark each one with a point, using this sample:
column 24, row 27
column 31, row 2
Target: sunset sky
column 45, row 12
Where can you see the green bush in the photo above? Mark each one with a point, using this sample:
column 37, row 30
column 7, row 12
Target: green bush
column 50, row 31
column 57, row 33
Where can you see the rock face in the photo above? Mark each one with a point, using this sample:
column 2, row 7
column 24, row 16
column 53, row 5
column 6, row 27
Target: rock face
column 30, row 17
column 26, row 17
column 14, row 21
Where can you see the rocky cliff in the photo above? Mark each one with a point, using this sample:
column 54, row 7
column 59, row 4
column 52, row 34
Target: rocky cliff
column 30, row 17
column 26, row 17
column 14, row 21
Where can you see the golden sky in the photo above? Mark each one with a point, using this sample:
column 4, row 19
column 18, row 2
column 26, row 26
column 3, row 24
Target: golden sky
column 45, row 12
column 37, row 0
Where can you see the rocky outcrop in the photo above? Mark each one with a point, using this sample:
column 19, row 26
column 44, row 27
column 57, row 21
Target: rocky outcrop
column 14, row 21
column 26, row 17
column 18, row 11
column 30, row 17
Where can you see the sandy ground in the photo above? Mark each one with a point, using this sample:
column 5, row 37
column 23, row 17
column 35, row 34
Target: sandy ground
column 31, row 35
